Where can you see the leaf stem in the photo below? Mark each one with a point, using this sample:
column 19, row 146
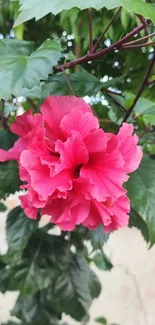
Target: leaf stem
column 90, row 29
column 106, row 29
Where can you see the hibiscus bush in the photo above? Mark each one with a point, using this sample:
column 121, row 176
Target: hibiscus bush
column 77, row 141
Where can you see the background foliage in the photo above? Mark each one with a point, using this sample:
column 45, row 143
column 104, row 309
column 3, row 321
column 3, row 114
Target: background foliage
column 53, row 273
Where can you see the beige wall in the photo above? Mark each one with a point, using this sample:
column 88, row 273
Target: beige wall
column 128, row 290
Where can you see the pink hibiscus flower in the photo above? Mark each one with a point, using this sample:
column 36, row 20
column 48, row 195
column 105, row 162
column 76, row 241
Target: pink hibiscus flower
column 72, row 170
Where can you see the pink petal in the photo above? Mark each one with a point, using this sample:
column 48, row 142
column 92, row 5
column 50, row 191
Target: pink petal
column 79, row 121
column 106, row 173
column 96, row 141
column 55, row 108
column 29, row 210
column 127, row 144
column 25, row 123
column 73, row 153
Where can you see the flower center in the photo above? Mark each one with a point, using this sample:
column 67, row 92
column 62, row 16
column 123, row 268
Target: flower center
column 108, row 203
column 77, row 171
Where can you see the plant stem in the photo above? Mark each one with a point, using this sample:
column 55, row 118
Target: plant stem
column 90, row 29
column 143, row 85
column 136, row 46
column 111, row 92
column 106, row 29
column 151, row 82
column 68, row 81
column 94, row 56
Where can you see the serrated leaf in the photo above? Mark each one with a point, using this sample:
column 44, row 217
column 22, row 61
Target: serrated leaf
column 20, row 67
column 38, row 9
column 75, row 289
column 19, row 228
column 102, row 262
column 141, row 191
column 42, row 260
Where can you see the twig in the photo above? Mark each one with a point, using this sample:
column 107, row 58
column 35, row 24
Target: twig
column 3, row 119
column 143, row 85
column 90, row 29
column 106, row 29
column 94, row 56
column 151, row 82
column 68, row 81
column 125, row 46
column 139, row 39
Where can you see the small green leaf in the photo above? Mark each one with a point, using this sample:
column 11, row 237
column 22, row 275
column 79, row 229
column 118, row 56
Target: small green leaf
column 3, row 207
column 101, row 320
column 19, row 228
column 20, row 67
column 102, row 262
column 98, row 237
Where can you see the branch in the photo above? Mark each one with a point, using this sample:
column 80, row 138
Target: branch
column 106, row 29
column 94, row 56
column 144, row 84
column 139, row 39
column 151, row 82
column 136, row 46
column 90, row 29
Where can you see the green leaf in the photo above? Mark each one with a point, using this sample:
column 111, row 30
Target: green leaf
column 137, row 221
column 145, row 107
column 36, row 309
column 19, row 67
column 35, row 9
column 43, row 259
column 19, row 228
column 3, row 207
column 9, row 179
column 75, row 289
column 82, row 82
column 102, row 262
column 98, row 237
column 141, row 191
column 101, row 320
column 7, row 139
